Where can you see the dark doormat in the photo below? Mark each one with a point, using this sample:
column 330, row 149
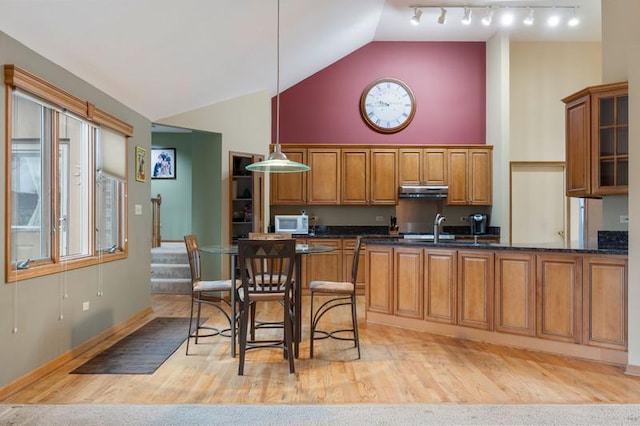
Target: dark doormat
column 141, row 352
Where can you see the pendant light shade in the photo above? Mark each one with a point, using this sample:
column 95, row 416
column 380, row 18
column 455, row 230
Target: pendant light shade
column 277, row 162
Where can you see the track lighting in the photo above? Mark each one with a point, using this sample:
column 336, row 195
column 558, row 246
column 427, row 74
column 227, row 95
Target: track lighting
column 443, row 16
column 415, row 19
column 528, row 21
column 466, row 19
column 524, row 13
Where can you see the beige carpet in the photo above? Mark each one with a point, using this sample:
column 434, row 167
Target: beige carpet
column 364, row 414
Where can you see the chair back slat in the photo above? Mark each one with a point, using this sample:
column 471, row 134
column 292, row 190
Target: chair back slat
column 266, row 266
column 191, row 241
column 356, row 260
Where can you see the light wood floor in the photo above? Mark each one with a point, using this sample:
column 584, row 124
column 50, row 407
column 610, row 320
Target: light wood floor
column 396, row 367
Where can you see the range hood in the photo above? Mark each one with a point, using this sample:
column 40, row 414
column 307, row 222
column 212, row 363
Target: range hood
column 423, row 191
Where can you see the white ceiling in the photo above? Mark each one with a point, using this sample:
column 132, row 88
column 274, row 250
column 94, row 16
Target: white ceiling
column 164, row 57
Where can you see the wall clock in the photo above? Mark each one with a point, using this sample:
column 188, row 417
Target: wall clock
column 387, row 105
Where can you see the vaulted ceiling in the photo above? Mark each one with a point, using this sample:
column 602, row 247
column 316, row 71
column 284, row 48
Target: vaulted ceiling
column 164, row 57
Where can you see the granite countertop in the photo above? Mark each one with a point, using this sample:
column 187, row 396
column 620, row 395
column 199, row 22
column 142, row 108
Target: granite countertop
column 609, row 242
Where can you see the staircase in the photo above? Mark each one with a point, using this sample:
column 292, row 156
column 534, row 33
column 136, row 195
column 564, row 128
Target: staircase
column 170, row 271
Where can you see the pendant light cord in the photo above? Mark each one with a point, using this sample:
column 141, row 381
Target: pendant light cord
column 277, row 147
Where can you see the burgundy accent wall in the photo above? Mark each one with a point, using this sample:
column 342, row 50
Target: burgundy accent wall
column 447, row 80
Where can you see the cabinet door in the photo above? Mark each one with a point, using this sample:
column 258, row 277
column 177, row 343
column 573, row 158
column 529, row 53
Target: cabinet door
column 440, row 281
column 559, row 297
column 379, row 277
column 324, row 176
column 475, row 289
column 355, row 176
column 434, row 166
column 610, row 142
column 479, row 173
column 458, row 180
column 290, row 188
column 410, row 166
column 348, row 245
column 408, row 282
column 515, row 293
column 324, row 266
column 578, row 147
column 605, row 302
column 384, row 176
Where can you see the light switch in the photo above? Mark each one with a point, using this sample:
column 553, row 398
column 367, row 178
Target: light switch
column 138, row 209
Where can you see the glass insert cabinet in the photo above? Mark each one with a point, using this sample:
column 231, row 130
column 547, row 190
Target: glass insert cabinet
column 597, row 141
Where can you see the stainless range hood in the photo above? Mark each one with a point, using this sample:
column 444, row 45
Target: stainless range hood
column 423, row 191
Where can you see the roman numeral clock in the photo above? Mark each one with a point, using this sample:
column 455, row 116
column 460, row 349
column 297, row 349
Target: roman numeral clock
column 387, row 105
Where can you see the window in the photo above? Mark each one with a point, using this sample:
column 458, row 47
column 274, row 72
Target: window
column 67, row 174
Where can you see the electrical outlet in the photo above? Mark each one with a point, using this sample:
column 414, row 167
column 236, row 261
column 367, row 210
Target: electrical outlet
column 85, row 306
column 379, row 219
column 624, row 219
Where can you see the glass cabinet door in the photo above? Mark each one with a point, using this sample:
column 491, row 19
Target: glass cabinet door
column 612, row 133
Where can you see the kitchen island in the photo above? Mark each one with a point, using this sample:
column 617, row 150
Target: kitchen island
column 560, row 299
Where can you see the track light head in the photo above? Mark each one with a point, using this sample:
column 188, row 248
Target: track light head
column 574, row 20
column 528, row 21
column 466, row 19
column 486, row 20
column 443, row 16
column 417, row 13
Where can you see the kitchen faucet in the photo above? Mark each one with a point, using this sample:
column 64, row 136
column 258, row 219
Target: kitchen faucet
column 437, row 222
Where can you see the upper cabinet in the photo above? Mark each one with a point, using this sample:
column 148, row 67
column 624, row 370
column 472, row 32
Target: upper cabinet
column 597, row 141
column 470, row 172
column 290, row 188
column 425, row 166
column 323, row 181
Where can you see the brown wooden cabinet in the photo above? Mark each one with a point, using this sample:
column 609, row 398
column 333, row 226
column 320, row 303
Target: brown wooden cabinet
column 323, row 180
column 515, row 293
column 356, row 169
column 559, row 297
column 369, row 176
column 440, row 282
column 470, row 176
column 379, row 277
column 426, row 166
column 475, row 289
column 597, row 140
column 324, row 266
column 605, row 302
column 407, row 285
column 290, row 188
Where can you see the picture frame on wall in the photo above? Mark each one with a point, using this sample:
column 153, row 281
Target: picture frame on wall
column 164, row 163
column 141, row 153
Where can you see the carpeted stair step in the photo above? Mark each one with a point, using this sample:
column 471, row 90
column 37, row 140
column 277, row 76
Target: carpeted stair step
column 171, row 285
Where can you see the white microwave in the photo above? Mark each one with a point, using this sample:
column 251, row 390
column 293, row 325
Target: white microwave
column 293, row 223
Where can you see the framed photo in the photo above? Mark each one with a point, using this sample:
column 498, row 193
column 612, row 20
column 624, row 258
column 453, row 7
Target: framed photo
column 163, row 163
column 141, row 153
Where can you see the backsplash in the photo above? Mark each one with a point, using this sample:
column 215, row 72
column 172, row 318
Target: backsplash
column 613, row 240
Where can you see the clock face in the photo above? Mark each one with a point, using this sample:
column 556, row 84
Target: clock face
column 387, row 105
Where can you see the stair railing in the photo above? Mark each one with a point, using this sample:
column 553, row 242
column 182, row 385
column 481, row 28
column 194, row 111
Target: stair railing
column 156, row 238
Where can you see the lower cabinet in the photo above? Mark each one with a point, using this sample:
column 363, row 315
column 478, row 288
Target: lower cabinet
column 440, row 278
column 379, row 276
column 515, row 293
column 605, row 302
column 559, row 296
column 408, row 282
column 475, row 289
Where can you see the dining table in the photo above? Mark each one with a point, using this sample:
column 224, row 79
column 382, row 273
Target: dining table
column 301, row 250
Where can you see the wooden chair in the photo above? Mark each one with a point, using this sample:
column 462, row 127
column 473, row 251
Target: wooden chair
column 211, row 293
column 266, row 270
column 340, row 294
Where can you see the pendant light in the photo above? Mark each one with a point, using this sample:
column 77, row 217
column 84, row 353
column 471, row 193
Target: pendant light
column 277, row 162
